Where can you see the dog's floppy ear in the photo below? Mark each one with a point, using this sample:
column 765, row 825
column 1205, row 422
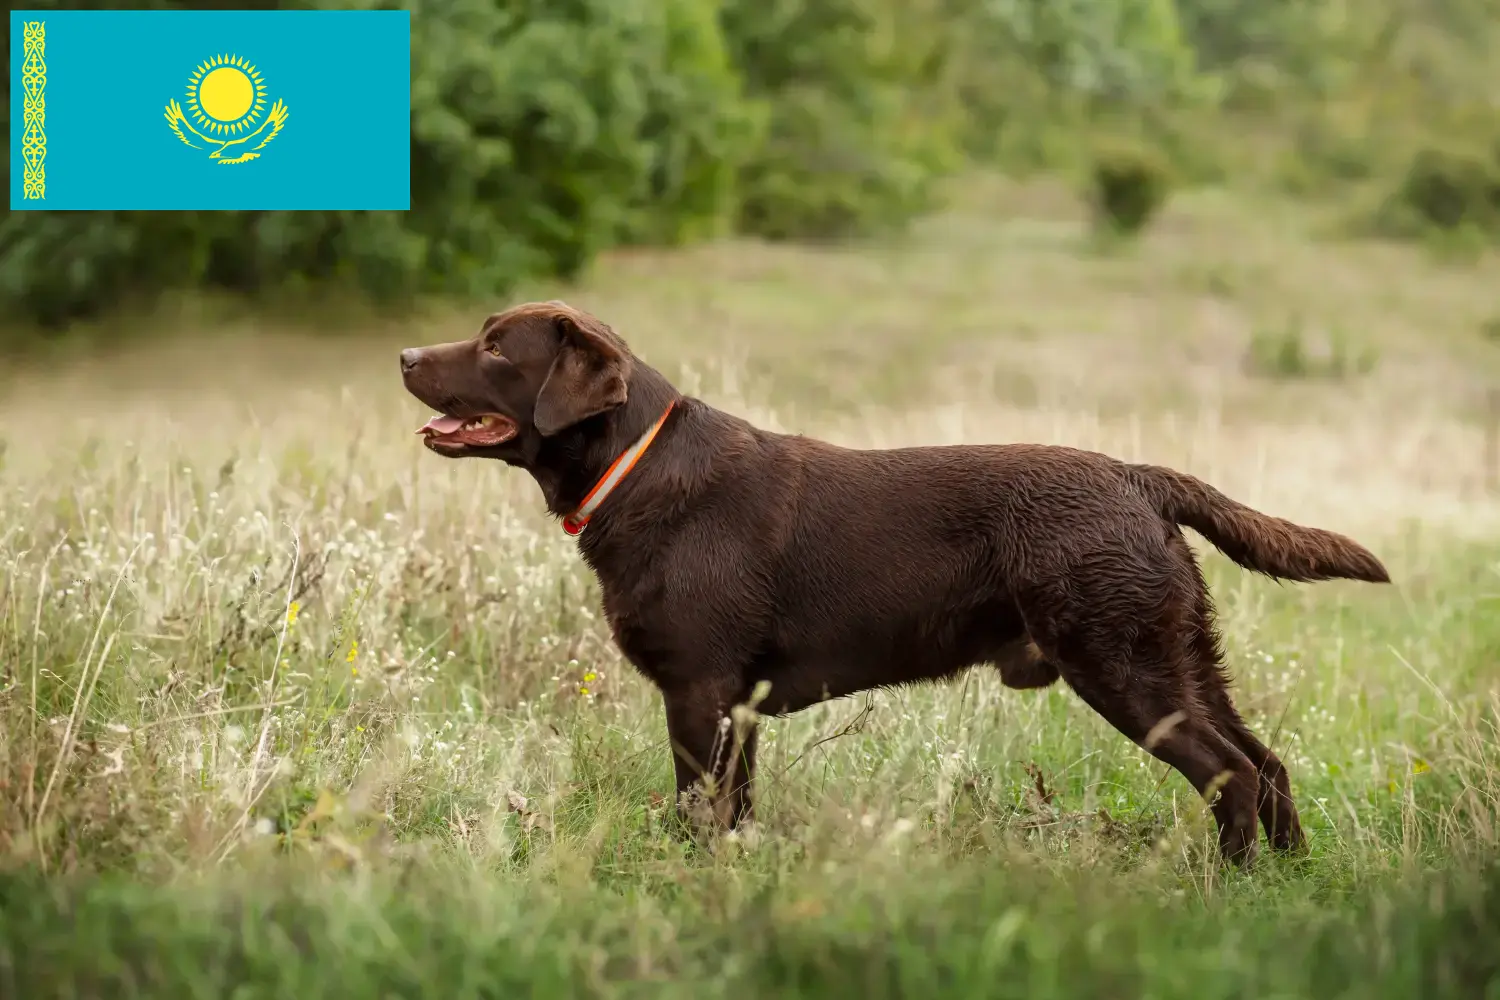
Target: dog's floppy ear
column 587, row 377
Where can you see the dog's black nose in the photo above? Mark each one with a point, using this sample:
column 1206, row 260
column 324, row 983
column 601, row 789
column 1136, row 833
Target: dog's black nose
column 409, row 359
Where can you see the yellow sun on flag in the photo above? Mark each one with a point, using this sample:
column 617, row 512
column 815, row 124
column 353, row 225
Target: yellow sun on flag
column 226, row 95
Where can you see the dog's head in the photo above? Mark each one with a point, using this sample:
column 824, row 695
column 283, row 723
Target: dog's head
column 530, row 373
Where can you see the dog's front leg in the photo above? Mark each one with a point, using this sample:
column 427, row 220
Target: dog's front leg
column 714, row 757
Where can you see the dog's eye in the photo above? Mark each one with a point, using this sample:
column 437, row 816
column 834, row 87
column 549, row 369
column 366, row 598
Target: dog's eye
column 493, row 351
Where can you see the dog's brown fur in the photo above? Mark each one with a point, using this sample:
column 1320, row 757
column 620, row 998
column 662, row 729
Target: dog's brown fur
column 731, row 555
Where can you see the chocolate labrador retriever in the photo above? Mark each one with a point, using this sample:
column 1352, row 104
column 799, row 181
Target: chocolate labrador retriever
column 735, row 562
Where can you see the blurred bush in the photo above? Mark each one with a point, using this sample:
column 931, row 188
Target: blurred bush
column 1129, row 185
column 1446, row 191
column 1293, row 351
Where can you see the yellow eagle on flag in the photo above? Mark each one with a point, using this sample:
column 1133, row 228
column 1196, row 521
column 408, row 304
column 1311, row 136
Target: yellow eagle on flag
column 226, row 110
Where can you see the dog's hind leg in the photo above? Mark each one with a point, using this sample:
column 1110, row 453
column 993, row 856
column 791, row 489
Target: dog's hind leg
column 1129, row 656
column 1180, row 733
column 1278, row 813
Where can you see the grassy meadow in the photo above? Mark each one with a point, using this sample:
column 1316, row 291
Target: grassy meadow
column 293, row 708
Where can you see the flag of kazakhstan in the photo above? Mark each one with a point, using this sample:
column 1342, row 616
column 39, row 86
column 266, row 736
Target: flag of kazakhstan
column 182, row 109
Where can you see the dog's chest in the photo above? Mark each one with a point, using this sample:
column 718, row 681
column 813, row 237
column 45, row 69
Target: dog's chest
column 649, row 649
column 637, row 628
column 656, row 629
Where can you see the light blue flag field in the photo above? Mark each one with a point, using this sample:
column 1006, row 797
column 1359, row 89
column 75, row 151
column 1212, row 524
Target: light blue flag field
column 182, row 109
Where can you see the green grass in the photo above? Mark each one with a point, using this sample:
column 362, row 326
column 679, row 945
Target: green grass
column 921, row 931
column 292, row 708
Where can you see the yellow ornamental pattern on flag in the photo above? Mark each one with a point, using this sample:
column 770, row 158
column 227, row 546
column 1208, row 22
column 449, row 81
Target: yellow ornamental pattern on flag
column 226, row 110
column 34, row 111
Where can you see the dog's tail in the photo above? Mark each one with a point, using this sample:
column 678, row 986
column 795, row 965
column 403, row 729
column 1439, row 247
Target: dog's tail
column 1256, row 541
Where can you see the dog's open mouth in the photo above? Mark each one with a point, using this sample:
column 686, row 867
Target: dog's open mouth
column 483, row 431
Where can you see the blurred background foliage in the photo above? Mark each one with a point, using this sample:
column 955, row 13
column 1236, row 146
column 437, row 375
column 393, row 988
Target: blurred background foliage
column 546, row 131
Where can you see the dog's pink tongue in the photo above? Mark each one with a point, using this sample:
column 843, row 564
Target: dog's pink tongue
column 441, row 425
